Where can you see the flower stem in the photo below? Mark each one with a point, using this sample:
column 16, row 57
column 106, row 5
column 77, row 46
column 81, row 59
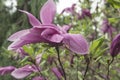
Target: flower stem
column 77, row 69
column 87, row 66
column 58, row 54
column 109, row 63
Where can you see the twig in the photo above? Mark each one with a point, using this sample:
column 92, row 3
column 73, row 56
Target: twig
column 109, row 63
column 98, row 73
column 87, row 66
column 77, row 68
column 58, row 54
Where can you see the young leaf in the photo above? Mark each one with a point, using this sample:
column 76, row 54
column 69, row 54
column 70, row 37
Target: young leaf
column 29, row 49
column 95, row 45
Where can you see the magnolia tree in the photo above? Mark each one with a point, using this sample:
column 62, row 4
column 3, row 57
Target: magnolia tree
column 64, row 47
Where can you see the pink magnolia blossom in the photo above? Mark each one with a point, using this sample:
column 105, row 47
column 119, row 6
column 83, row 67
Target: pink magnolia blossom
column 70, row 9
column 20, row 73
column 115, row 46
column 23, row 72
column 106, row 27
column 84, row 13
column 47, row 32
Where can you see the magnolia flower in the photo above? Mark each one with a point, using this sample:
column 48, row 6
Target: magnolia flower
column 23, row 72
column 84, row 13
column 47, row 32
column 107, row 28
column 6, row 70
column 20, row 73
column 69, row 9
column 115, row 46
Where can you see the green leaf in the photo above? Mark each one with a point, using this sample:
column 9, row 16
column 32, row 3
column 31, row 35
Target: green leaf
column 98, row 77
column 100, row 52
column 115, row 3
column 80, row 75
column 96, row 44
column 114, row 20
column 29, row 49
column 24, row 60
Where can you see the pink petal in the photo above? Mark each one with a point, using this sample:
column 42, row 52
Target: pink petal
column 33, row 36
column 21, row 52
column 38, row 58
column 23, row 72
column 18, row 35
column 6, row 70
column 52, row 35
column 32, row 19
column 17, row 44
column 66, row 28
column 76, row 43
column 47, row 12
column 39, row 78
column 69, row 9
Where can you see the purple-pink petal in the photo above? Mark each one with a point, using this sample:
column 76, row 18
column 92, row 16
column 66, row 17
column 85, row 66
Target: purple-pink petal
column 38, row 78
column 66, row 28
column 32, row 19
column 6, row 70
column 69, row 9
column 16, row 44
column 86, row 12
column 21, row 52
column 76, row 43
column 52, row 35
column 106, row 27
column 18, row 34
column 48, row 12
column 33, row 36
column 23, row 72
column 38, row 58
